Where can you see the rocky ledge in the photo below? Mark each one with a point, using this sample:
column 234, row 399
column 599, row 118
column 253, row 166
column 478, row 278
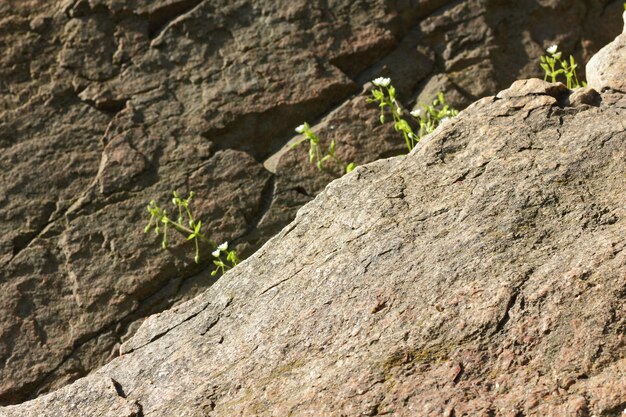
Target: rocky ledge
column 483, row 274
column 107, row 104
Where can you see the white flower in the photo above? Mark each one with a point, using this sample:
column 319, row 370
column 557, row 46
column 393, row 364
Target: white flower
column 381, row 82
column 552, row 49
column 216, row 253
column 223, row 246
column 300, row 129
column 416, row 113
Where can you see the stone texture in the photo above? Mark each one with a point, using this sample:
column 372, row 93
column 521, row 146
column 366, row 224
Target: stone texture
column 106, row 104
column 482, row 274
column 605, row 70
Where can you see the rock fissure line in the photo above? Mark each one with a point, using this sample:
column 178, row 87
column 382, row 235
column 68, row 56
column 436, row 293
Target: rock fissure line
column 159, row 335
column 515, row 292
column 281, row 281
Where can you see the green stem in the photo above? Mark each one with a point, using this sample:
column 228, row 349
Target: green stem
column 185, row 230
column 339, row 162
column 396, row 118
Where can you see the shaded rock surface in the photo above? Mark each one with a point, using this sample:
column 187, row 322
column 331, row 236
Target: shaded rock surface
column 482, row 274
column 107, row 104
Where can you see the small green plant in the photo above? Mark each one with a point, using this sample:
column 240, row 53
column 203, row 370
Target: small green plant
column 231, row 259
column 315, row 154
column 192, row 229
column 429, row 117
column 554, row 66
column 385, row 95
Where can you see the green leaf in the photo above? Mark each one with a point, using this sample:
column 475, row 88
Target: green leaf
column 402, row 125
column 331, row 150
column 191, row 236
column 350, row 167
column 232, row 257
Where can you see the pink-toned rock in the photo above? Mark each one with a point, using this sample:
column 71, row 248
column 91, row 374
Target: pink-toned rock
column 107, row 104
column 482, row 274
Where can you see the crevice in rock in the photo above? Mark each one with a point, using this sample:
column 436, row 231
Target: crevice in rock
column 118, row 388
column 22, row 242
column 276, row 284
column 268, row 194
column 459, row 374
column 110, row 106
column 505, row 317
column 169, row 329
column 515, row 292
column 361, row 78
column 160, row 17
column 284, row 117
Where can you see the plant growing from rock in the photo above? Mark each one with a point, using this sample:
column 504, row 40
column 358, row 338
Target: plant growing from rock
column 315, row 154
column 432, row 115
column 223, row 259
column 554, row 66
column 429, row 116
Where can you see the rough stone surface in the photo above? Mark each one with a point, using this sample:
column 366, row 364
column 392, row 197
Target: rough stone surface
column 106, row 104
column 605, row 70
column 483, row 274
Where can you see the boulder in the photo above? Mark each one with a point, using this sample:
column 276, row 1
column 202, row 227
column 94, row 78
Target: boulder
column 482, row 274
column 606, row 69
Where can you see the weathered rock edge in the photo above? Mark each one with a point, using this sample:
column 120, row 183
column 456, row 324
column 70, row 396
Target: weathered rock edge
column 483, row 274
column 117, row 102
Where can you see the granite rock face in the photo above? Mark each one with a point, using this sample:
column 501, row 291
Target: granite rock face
column 107, row 104
column 482, row 274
